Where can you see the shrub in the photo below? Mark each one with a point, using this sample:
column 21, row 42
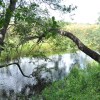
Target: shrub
column 78, row 85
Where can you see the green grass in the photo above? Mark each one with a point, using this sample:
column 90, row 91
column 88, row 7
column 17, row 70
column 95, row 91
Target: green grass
column 78, row 85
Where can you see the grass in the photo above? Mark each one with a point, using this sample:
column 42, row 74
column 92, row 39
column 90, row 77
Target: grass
column 78, row 85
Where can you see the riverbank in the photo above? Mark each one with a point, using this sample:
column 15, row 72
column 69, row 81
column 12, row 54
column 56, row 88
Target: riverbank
column 78, row 85
column 54, row 68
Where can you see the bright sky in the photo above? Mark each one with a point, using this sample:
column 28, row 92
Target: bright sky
column 87, row 11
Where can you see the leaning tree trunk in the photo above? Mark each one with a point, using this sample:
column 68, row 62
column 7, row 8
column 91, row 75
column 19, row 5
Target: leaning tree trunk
column 94, row 55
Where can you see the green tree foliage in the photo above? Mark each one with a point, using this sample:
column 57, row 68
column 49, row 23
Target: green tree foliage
column 31, row 14
column 30, row 21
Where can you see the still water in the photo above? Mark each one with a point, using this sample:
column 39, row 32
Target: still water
column 12, row 81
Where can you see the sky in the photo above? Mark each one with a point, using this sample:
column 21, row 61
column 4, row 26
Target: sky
column 87, row 11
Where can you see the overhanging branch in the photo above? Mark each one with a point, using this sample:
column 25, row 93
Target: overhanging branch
column 1, row 66
column 94, row 55
column 29, row 38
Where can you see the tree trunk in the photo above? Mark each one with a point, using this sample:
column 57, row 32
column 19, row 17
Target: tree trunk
column 94, row 55
column 8, row 15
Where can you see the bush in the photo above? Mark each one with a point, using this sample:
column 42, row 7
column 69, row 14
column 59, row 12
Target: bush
column 78, row 85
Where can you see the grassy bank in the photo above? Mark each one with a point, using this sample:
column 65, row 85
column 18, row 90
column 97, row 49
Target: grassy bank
column 78, row 85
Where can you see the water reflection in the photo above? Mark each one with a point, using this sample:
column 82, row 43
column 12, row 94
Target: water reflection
column 12, row 81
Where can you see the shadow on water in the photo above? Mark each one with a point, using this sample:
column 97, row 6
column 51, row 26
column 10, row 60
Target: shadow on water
column 13, row 84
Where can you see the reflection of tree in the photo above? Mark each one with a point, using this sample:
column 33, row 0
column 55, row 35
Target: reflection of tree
column 18, row 65
column 51, row 74
column 44, row 76
column 59, row 71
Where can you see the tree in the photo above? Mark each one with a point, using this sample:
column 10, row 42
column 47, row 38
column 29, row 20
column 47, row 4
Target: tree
column 98, row 20
column 27, row 15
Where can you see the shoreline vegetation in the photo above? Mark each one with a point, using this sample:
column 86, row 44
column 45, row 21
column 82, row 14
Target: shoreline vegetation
column 79, row 84
column 88, row 34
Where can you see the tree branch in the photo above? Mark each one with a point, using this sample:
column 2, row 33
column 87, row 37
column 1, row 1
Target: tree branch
column 1, row 66
column 94, row 55
column 29, row 38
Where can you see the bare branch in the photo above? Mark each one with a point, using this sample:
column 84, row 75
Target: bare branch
column 1, row 66
column 94, row 55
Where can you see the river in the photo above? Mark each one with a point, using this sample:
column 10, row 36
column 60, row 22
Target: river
column 12, row 81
